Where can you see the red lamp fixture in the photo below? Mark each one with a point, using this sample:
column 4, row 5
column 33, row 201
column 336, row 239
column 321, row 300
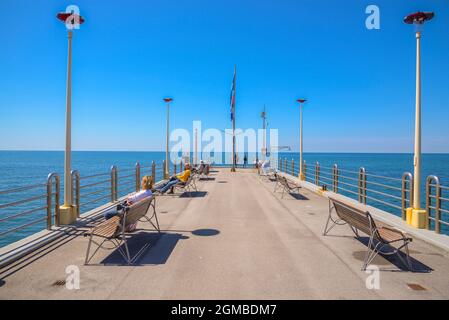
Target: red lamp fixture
column 418, row 17
column 71, row 18
column 168, row 100
column 301, row 100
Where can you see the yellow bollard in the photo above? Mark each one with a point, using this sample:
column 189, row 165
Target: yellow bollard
column 416, row 218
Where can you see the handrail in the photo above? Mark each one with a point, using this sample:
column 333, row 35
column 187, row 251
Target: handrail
column 362, row 186
column 407, row 177
column 95, row 188
column 433, row 182
column 23, row 213
column 76, row 190
column 114, row 196
column 357, row 185
column 95, row 175
column 53, row 178
column 335, row 178
column 26, row 188
column 15, row 203
column 137, row 176
column 33, row 208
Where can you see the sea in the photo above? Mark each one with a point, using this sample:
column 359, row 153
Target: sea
column 31, row 168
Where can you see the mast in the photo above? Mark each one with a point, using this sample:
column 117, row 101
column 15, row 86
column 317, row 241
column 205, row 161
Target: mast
column 233, row 122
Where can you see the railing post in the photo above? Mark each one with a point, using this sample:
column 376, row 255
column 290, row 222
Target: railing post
column 49, row 196
column 362, row 185
column 174, row 168
column 285, row 165
column 50, row 178
column 137, row 177
column 153, row 171
column 407, row 176
column 335, row 178
column 113, row 183
column 76, row 191
column 433, row 181
column 293, row 168
column 165, row 171
column 317, row 173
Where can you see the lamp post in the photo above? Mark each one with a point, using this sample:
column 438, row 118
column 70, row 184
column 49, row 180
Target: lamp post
column 414, row 215
column 167, row 166
column 195, row 161
column 263, row 115
column 301, row 175
column 68, row 213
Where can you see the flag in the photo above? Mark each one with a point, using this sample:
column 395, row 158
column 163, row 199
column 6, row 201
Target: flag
column 233, row 96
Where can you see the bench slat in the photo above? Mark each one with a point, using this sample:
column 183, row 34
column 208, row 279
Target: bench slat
column 106, row 229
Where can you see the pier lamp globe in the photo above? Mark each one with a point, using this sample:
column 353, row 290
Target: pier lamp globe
column 166, row 169
column 414, row 215
column 68, row 213
column 301, row 174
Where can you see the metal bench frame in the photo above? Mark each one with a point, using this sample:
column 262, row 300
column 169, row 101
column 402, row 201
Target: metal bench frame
column 287, row 186
column 114, row 230
column 187, row 186
column 359, row 220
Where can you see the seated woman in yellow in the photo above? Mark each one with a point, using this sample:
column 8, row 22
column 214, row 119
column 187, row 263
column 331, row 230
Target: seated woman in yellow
column 174, row 180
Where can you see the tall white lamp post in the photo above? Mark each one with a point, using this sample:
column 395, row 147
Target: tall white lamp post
column 167, row 165
column 414, row 215
column 67, row 211
column 301, row 174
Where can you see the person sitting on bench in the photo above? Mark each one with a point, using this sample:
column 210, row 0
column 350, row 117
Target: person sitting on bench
column 202, row 167
column 174, row 180
column 147, row 185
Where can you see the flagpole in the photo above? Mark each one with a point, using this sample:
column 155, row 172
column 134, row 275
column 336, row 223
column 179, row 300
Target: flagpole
column 233, row 123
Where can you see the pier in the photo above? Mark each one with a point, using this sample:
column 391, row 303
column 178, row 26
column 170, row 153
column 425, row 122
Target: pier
column 235, row 238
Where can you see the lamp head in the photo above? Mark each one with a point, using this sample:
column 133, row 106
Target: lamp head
column 168, row 100
column 301, row 100
column 418, row 17
column 70, row 18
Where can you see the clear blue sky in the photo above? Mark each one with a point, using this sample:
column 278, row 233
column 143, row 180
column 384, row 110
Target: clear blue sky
column 130, row 54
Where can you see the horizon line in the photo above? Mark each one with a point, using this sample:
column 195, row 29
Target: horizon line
column 293, row 151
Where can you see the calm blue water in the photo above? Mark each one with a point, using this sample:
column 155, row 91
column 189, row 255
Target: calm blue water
column 22, row 168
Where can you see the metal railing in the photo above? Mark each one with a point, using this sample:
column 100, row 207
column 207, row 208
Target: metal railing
column 37, row 206
column 387, row 193
column 437, row 205
column 110, row 185
column 377, row 190
column 30, row 206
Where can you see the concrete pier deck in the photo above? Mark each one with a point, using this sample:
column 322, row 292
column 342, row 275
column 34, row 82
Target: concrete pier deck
column 235, row 239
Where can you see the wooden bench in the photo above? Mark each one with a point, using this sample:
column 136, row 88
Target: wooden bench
column 114, row 230
column 381, row 236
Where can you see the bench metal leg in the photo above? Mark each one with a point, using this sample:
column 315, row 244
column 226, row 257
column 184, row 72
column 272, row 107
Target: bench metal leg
column 407, row 262
column 86, row 260
column 372, row 253
column 99, row 245
column 156, row 226
column 331, row 223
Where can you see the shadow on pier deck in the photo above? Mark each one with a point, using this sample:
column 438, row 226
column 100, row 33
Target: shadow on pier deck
column 237, row 241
